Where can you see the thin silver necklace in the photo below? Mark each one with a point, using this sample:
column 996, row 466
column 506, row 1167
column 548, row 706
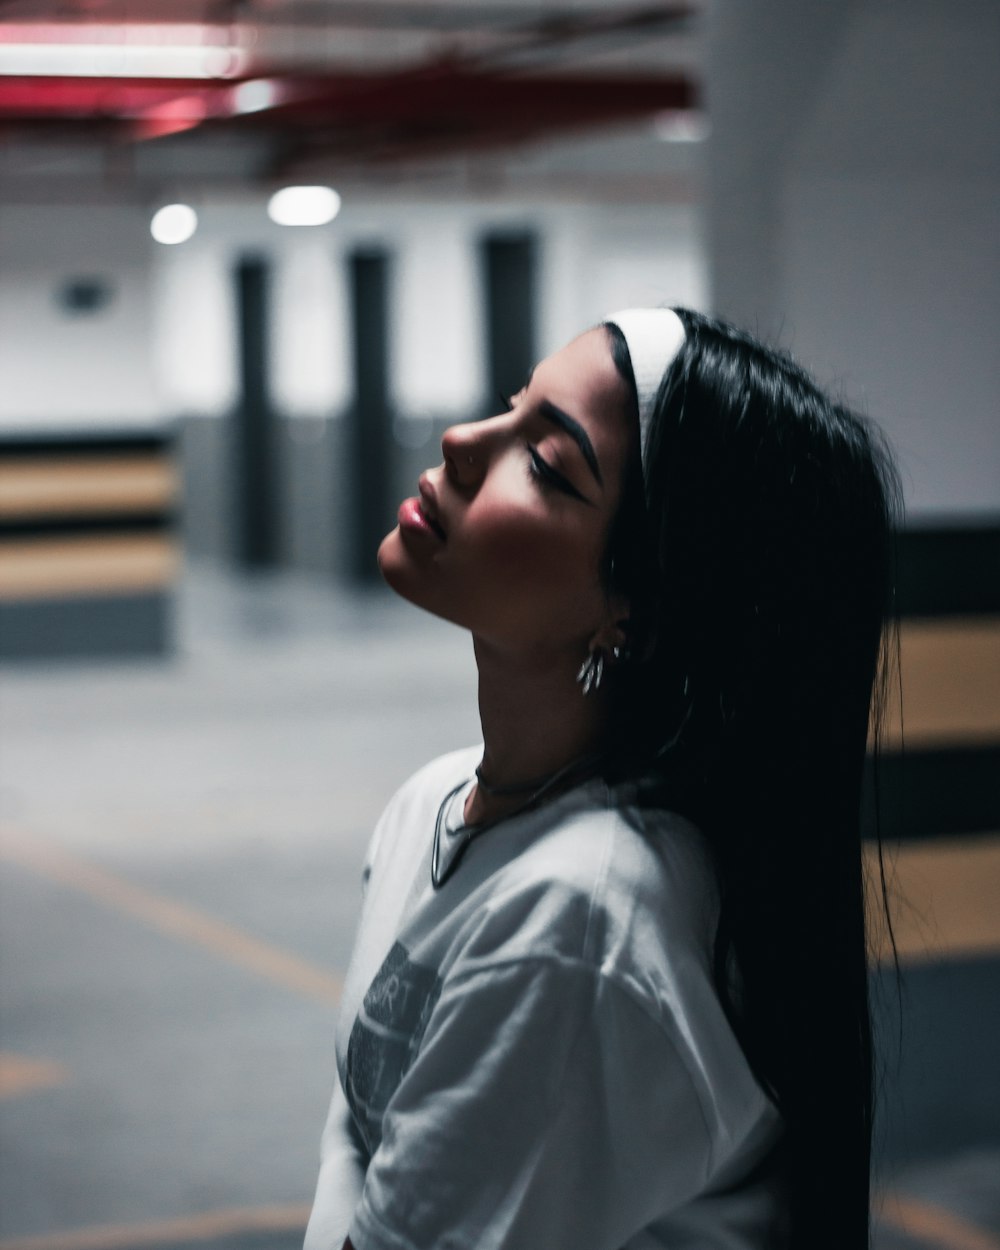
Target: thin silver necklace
column 468, row 833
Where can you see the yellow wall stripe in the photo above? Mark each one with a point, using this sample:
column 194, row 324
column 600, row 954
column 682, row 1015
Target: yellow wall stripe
column 56, row 568
column 944, row 899
column 950, row 685
column 57, row 487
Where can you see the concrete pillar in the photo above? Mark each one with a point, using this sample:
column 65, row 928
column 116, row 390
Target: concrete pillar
column 509, row 291
column 256, row 442
column 370, row 442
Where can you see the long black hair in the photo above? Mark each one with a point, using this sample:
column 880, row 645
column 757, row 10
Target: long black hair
column 754, row 547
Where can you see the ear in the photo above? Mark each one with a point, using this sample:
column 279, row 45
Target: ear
column 613, row 634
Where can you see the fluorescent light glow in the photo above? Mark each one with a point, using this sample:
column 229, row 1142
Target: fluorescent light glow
column 255, row 95
column 303, row 206
column 121, row 60
column 681, row 127
column 174, row 223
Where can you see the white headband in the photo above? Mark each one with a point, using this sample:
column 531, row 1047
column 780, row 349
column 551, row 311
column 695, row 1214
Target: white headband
column 654, row 336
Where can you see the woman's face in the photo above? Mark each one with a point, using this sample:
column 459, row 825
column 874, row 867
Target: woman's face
column 507, row 536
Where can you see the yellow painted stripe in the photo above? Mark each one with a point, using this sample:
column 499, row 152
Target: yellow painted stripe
column 944, row 899
column 42, row 487
column 950, row 679
column 52, row 568
column 269, row 1219
column 174, row 919
column 928, row 1222
column 20, row 1074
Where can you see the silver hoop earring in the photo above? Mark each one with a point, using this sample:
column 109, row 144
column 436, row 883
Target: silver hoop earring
column 591, row 672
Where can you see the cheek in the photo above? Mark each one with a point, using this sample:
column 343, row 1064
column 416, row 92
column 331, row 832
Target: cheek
column 532, row 548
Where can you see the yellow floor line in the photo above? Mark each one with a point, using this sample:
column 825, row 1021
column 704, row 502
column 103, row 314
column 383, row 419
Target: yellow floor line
column 930, row 1223
column 270, row 1219
column 21, row 1074
column 177, row 920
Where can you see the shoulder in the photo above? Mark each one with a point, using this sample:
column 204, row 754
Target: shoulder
column 626, row 899
column 626, row 893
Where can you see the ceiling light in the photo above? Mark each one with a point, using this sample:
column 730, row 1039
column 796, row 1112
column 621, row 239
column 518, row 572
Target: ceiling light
column 303, row 206
column 83, row 60
column 681, row 126
column 119, row 50
column 174, row 223
column 255, row 95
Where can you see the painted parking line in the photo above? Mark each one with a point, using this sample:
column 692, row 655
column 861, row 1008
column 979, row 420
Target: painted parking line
column 165, row 915
column 930, row 1223
column 22, row 1074
column 287, row 1218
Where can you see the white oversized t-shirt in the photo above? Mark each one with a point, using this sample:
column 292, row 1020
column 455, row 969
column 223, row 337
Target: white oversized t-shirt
column 533, row 1056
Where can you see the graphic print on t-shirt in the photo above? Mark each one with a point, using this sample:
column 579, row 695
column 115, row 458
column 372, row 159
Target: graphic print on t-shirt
column 386, row 1036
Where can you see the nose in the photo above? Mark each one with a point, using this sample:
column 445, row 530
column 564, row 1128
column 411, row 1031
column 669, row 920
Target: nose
column 466, row 450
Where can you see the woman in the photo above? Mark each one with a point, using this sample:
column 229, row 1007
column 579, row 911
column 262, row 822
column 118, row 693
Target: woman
column 609, row 988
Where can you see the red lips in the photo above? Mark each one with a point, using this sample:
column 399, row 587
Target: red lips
column 419, row 516
column 429, row 506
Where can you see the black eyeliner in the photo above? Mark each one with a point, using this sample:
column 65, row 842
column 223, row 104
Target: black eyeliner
column 546, row 472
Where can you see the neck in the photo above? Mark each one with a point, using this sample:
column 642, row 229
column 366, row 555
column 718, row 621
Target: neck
column 535, row 721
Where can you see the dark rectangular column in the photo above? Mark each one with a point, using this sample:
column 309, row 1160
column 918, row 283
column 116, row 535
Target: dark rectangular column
column 256, row 442
column 508, row 266
column 370, row 443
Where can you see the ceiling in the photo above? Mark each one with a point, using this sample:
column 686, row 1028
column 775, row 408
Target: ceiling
column 229, row 92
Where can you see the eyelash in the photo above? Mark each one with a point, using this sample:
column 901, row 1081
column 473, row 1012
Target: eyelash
column 539, row 471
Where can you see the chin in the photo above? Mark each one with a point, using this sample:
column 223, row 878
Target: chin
column 406, row 578
column 388, row 557
column 396, row 567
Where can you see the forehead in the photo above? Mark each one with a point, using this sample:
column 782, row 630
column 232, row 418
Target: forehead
column 581, row 378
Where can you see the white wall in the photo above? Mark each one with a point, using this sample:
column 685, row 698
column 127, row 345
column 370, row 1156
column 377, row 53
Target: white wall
column 62, row 369
column 892, row 293
column 854, row 182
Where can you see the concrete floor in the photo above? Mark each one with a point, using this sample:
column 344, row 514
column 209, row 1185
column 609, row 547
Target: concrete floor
column 181, row 849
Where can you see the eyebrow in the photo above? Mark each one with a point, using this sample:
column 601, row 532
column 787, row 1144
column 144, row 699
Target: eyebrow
column 576, row 432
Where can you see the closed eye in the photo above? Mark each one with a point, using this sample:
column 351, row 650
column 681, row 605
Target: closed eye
column 542, row 472
column 539, row 469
